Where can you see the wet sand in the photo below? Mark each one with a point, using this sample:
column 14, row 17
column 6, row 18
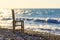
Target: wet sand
column 27, row 35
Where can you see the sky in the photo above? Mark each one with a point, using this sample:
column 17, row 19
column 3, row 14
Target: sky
column 29, row 4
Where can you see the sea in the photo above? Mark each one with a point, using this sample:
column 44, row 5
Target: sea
column 42, row 20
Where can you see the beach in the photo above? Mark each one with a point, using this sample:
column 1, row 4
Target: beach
column 27, row 35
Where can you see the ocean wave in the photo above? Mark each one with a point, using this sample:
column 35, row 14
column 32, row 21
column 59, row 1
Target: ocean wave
column 48, row 20
column 38, row 20
column 33, row 18
column 42, row 24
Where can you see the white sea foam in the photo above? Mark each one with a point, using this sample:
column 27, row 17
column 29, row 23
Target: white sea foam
column 58, row 19
column 32, row 26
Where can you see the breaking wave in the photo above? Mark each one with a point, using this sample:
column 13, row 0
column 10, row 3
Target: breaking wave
column 50, row 25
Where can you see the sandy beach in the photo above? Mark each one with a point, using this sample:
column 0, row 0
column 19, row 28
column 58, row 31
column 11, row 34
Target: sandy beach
column 28, row 34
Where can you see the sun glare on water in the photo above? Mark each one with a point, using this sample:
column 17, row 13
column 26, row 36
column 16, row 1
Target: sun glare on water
column 5, row 13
